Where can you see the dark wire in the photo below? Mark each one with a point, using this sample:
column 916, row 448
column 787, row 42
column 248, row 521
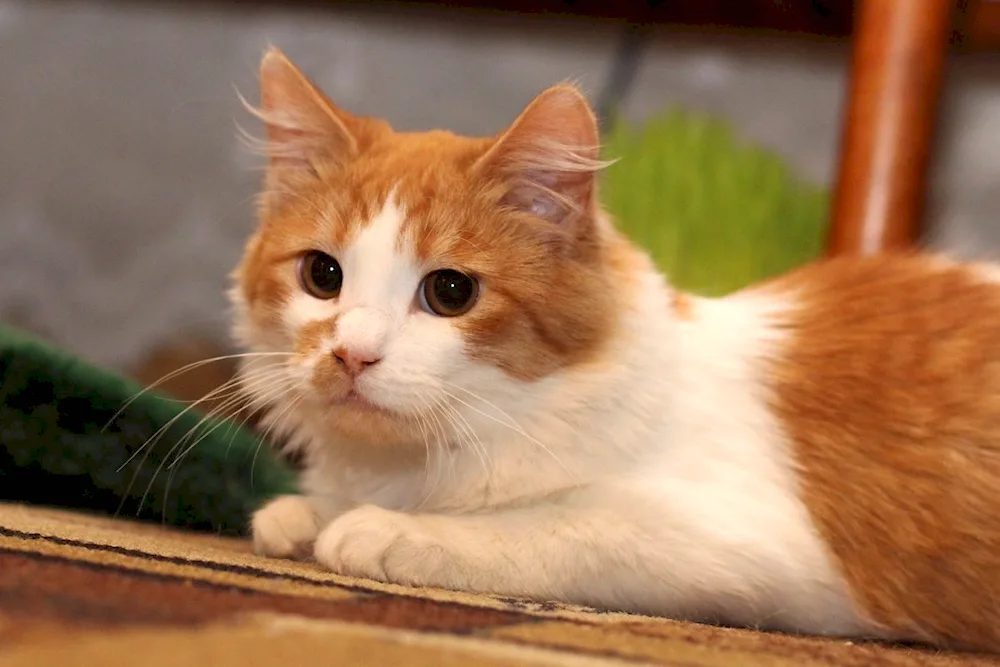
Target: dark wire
column 624, row 68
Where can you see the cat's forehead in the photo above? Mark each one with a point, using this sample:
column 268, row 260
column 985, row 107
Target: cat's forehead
column 416, row 195
column 379, row 263
column 423, row 228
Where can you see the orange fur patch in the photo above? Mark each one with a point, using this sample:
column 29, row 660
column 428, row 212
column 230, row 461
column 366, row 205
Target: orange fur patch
column 890, row 390
column 681, row 305
column 313, row 334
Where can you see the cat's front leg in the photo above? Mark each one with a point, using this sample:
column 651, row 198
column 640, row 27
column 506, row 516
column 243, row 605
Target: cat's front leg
column 541, row 552
column 286, row 527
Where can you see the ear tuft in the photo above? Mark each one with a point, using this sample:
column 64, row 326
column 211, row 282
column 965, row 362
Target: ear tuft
column 549, row 157
column 304, row 128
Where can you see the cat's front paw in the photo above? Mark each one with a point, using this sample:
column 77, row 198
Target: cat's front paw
column 373, row 543
column 285, row 528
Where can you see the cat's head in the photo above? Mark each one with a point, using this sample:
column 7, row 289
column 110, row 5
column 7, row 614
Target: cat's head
column 409, row 276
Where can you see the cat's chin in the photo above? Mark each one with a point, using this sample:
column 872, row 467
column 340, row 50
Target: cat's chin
column 360, row 421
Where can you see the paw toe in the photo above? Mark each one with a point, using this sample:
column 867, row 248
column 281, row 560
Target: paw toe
column 286, row 528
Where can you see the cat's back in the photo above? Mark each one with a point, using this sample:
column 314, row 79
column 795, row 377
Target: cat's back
column 910, row 343
column 888, row 386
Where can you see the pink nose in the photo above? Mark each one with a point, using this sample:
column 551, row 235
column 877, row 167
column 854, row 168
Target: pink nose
column 354, row 362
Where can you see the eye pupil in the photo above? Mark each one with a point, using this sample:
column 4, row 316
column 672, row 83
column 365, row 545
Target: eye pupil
column 450, row 293
column 321, row 275
column 325, row 274
column 453, row 290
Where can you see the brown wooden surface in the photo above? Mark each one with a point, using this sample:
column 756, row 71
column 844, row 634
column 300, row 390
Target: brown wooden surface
column 895, row 81
column 981, row 25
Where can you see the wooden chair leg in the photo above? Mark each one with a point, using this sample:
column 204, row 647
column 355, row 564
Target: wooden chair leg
column 896, row 72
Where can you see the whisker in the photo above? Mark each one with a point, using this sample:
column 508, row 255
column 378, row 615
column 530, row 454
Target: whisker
column 425, row 426
column 464, row 438
column 423, row 433
column 248, row 386
column 443, row 438
column 223, row 420
column 477, row 397
column 478, row 442
column 185, row 369
column 513, row 425
column 242, row 424
column 147, row 447
column 284, row 414
column 232, row 402
column 223, row 389
column 217, row 413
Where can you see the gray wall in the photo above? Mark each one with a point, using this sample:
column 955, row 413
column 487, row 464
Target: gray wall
column 125, row 195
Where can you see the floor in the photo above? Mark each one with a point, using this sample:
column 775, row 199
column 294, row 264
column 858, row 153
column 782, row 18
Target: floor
column 86, row 591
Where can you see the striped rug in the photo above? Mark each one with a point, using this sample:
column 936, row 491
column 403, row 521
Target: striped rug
column 87, row 591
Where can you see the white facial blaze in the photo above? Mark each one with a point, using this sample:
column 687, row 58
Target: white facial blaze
column 376, row 317
column 377, row 274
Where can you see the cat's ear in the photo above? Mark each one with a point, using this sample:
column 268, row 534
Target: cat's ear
column 304, row 128
column 549, row 157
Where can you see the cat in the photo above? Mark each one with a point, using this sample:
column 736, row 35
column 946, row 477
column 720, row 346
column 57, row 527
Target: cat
column 495, row 391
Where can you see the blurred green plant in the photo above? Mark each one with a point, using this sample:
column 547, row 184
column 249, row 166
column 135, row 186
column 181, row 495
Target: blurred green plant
column 716, row 213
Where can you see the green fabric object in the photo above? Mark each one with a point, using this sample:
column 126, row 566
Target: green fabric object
column 62, row 444
column 716, row 213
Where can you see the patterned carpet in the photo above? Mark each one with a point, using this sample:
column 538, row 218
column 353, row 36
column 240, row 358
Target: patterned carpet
column 79, row 590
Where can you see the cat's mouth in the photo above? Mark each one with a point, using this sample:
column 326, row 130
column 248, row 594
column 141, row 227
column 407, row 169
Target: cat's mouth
column 357, row 402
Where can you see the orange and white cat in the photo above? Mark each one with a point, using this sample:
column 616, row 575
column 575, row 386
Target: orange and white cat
column 495, row 391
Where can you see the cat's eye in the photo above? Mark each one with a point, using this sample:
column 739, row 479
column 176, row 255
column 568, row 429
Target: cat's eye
column 320, row 275
column 448, row 293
